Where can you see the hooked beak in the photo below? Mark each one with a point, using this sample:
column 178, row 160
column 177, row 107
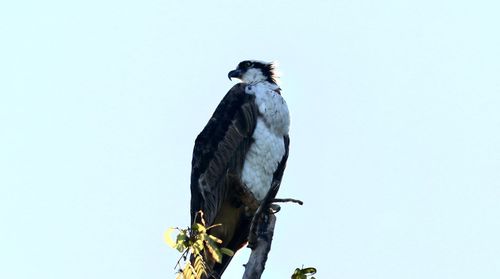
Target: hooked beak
column 234, row 74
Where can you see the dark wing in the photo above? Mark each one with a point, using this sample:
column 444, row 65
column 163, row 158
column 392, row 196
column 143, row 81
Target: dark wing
column 219, row 151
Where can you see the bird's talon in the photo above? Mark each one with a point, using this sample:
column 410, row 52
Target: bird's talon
column 274, row 208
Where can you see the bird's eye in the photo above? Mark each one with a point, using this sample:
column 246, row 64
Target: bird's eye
column 247, row 64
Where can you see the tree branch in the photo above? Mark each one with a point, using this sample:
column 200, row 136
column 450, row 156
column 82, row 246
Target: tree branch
column 261, row 247
column 288, row 200
column 261, row 236
column 261, row 228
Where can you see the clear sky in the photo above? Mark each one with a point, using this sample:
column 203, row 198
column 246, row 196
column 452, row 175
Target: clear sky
column 395, row 135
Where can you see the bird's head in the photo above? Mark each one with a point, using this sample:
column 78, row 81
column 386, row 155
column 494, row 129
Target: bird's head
column 252, row 71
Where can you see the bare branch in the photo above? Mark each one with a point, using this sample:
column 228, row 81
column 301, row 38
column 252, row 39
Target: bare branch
column 261, row 236
column 261, row 228
column 257, row 261
column 288, row 200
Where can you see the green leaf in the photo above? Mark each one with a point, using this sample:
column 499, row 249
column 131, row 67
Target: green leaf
column 199, row 228
column 215, row 239
column 214, row 250
column 309, row 270
column 197, row 246
column 168, row 238
column 303, row 273
column 182, row 236
column 199, row 266
column 226, row 251
column 188, row 271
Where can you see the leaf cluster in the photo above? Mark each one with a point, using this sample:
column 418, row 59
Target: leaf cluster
column 304, row 273
column 198, row 244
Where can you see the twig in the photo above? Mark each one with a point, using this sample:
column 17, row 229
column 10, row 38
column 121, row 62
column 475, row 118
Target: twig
column 288, row 200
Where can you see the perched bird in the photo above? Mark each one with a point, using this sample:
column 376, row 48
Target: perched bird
column 243, row 146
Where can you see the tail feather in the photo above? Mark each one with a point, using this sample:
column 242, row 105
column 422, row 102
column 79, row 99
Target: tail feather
column 239, row 240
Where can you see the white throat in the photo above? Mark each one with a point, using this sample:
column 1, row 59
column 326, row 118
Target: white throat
column 253, row 76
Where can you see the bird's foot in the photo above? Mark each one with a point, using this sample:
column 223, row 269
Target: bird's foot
column 274, row 208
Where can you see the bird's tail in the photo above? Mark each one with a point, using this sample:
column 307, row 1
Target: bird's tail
column 239, row 240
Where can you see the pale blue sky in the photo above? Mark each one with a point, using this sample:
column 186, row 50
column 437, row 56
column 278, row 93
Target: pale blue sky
column 395, row 136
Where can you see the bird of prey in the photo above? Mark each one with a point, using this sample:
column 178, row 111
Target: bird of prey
column 243, row 146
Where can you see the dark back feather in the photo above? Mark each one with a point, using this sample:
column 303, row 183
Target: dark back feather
column 220, row 151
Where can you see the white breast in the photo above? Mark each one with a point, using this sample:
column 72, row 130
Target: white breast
column 268, row 147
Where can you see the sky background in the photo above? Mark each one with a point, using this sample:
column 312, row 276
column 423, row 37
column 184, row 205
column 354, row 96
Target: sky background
column 395, row 133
